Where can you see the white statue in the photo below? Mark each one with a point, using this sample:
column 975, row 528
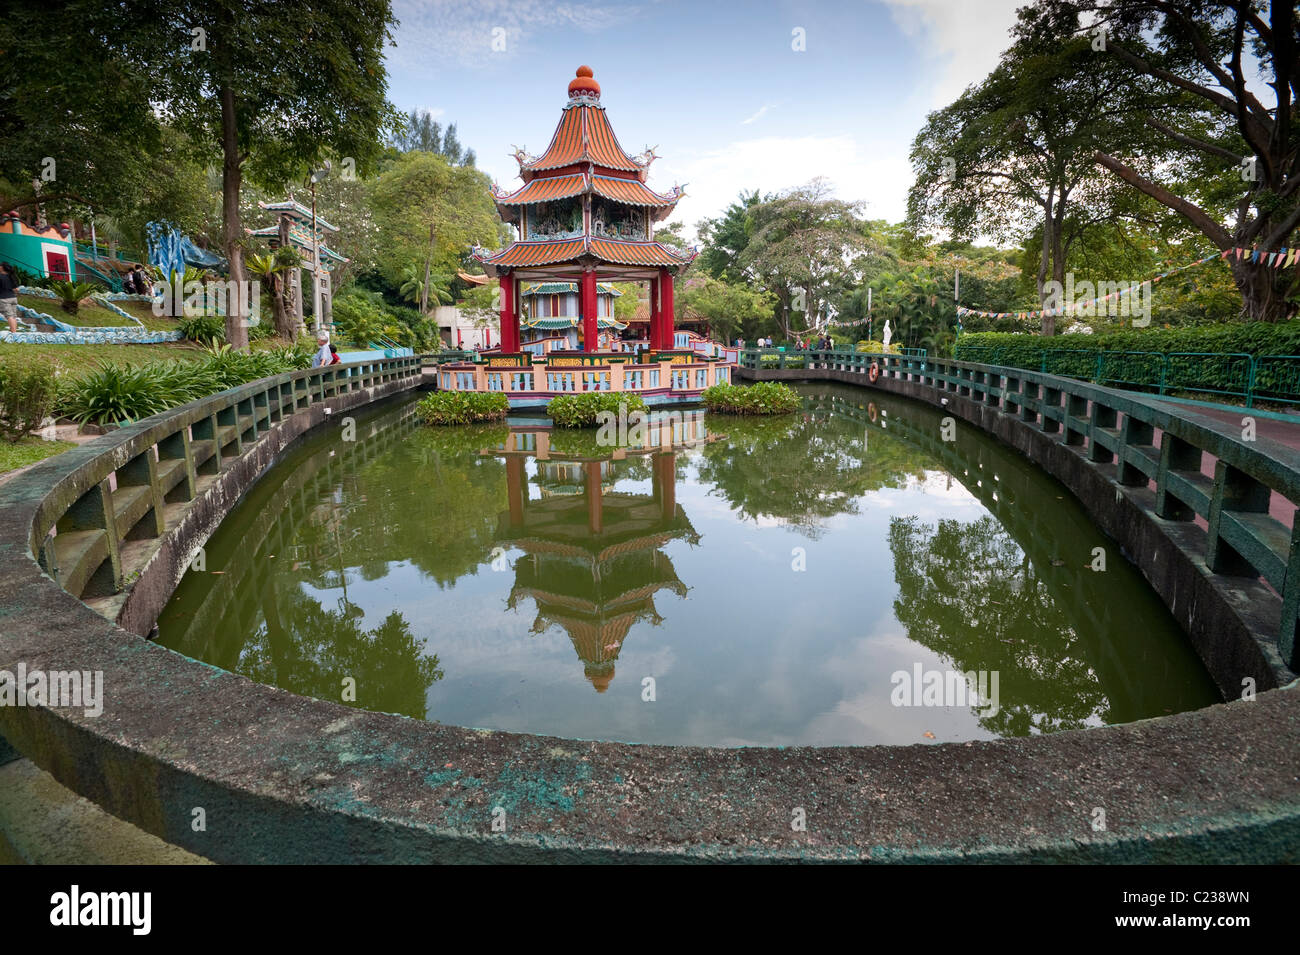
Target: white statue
column 887, row 334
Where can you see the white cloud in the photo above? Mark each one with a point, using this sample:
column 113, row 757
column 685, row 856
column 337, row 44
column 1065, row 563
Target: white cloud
column 772, row 164
column 464, row 34
column 961, row 41
column 759, row 115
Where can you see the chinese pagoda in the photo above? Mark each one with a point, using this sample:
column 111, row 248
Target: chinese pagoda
column 585, row 214
column 585, row 218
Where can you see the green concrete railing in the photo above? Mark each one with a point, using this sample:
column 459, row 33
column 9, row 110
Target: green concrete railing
column 88, row 532
column 1274, row 378
column 1243, row 539
column 288, row 779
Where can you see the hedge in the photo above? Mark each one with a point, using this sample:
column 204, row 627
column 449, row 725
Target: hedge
column 1026, row 351
column 1122, row 361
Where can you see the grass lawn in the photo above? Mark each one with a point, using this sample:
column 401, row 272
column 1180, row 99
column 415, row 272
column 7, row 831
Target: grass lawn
column 29, row 451
column 75, row 359
column 92, row 315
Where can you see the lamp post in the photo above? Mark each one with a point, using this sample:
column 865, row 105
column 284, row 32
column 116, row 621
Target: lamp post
column 316, row 177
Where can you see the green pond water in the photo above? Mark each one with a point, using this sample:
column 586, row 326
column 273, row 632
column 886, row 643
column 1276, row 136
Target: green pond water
column 827, row 578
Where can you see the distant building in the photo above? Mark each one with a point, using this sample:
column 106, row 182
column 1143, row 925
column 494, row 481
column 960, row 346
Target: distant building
column 47, row 253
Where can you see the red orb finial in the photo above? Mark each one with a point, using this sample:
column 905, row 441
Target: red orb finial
column 584, row 83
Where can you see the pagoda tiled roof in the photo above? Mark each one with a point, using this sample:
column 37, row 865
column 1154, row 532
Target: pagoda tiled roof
column 584, row 135
column 296, row 210
column 539, row 252
column 554, row 288
column 617, row 251
column 543, row 190
column 626, row 252
column 633, row 192
column 630, row 192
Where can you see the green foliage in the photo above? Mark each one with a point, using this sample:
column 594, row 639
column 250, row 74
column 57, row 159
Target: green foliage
column 462, row 407
column 203, row 328
column 761, row 398
column 28, row 391
column 360, row 316
column 114, row 394
column 877, row 348
column 430, row 212
column 729, row 308
column 581, row 410
column 259, row 332
column 1025, row 351
column 71, row 293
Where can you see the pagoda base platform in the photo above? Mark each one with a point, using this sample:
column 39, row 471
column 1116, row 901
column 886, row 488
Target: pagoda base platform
column 528, row 381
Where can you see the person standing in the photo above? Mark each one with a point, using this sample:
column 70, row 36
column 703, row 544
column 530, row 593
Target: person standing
column 323, row 356
column 9, row 295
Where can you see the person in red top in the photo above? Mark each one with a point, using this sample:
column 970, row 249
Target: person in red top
column 334, row 355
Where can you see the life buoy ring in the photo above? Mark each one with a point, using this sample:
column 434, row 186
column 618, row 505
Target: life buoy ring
column 873, row 372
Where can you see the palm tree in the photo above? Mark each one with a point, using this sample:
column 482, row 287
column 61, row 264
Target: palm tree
column 271, row 269
column 71, row 293
column 413, row 289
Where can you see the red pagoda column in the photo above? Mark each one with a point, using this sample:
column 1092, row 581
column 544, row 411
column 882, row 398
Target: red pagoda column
column 665, row 308
column 509, row 315
column 516, row 488
column 664, row 484
column 654, row 314
column 595, row 503
column 588, row 310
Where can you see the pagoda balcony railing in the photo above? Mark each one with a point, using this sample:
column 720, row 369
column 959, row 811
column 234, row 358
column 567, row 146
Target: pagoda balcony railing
column 673, row 374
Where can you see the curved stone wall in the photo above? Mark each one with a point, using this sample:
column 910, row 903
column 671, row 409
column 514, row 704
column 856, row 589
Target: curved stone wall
column 281, row 778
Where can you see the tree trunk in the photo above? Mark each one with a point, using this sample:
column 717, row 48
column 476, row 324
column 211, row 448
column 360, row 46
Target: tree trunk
column 286, row 325
column 231, row 227
column 1044, row 263
column 1260, row 301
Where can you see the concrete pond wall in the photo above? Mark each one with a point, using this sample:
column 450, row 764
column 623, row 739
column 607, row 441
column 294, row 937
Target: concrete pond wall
column 275, row 777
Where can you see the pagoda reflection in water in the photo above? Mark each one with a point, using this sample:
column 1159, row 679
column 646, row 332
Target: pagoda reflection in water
column 593, row 556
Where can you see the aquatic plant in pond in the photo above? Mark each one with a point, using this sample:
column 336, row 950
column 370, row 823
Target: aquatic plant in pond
column 463, row 407
column 761, row 398
column 585, row 410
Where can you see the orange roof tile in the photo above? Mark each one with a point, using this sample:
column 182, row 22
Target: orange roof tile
column 632, row 191
column 535, row 253
column 583, row 135
column 636, row 253
column 543, row 190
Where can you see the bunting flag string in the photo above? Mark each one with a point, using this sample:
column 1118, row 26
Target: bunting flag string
column 1283, row 258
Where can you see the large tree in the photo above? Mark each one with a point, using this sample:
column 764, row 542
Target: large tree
column 75, row 123
column 1014, row 153
column 429, row 213
column 1247, row 151
column 801, row 244
column 272, row 88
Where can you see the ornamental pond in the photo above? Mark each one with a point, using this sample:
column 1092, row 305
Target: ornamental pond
column 803, row 580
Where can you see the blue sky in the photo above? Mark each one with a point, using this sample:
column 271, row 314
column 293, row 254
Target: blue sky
column 716, row 87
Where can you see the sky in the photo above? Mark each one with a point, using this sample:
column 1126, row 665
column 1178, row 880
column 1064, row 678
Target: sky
column 720, row 89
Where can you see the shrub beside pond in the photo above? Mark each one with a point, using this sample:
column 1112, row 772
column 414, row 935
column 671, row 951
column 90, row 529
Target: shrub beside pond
column 117, row 394
column 581, row 410
column 762, row 398
column 28, row 391
column 462, row 407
